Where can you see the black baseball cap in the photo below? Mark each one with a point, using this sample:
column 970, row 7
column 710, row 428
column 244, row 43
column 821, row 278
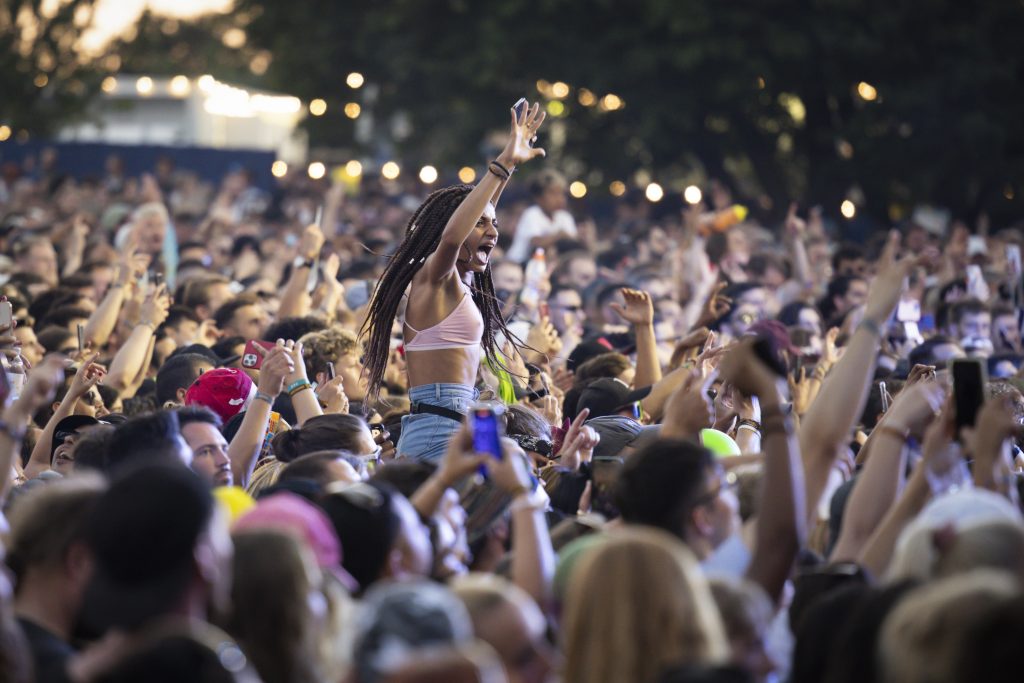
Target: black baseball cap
column 68, row 426
column 143, row 534
column 607, row 396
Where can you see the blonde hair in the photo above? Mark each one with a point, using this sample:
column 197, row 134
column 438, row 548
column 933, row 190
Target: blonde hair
column 637, row 605
column 266, row 475
column 920, row 639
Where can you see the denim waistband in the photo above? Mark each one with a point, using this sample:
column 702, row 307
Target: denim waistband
column 439, row 393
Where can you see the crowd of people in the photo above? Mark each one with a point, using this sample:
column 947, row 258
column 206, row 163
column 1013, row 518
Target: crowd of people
column 245, row 435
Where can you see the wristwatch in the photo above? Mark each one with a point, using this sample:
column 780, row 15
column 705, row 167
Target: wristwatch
column 300, row 262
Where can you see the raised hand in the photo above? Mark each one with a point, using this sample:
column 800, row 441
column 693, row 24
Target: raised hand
column 277, row 365
column 40, row 388
column 747, row 373
column 889, row 282
column 332, row 396
column 689, row 409
column 298, row 365
column 915, row 407
column 155, row 307
column 795, row 226
column 312, row 242
column 89, row 374
column 639, row 308
column 550, row 408
column 544, row 338
column 511, row 473
column 716, row 305
column 579, row 443
column 524, row 129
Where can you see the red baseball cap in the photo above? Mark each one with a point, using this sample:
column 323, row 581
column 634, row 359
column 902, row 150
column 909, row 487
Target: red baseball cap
column 225, row 391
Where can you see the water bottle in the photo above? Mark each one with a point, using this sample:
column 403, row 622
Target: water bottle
column 536, row 271
column 722, row 220
column 16, row 377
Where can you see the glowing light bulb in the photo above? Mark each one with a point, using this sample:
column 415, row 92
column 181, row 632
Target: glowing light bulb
column 316, row 170
column 279, row 169
column 654, row 192
column 692, row 194
column 428, row 174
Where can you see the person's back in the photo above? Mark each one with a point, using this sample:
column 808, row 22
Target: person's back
column 47, row 553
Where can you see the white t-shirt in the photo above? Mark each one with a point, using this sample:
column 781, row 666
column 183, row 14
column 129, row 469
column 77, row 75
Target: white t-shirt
column 535, row 223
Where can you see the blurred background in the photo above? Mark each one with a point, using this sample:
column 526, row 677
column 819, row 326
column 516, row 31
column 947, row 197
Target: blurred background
column 868, row 108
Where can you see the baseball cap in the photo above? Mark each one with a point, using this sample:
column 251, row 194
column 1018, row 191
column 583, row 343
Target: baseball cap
column 225, row 391
column 618, row 433
column 400, row 618
column 143, row 532
column 68, row 426
column 294, row 514
column 607, row 396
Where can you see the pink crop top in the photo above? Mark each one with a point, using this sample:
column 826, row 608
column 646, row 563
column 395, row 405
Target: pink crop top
column 462, row 329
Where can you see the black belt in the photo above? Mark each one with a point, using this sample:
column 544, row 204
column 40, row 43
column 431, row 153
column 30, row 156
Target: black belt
column 419, row 408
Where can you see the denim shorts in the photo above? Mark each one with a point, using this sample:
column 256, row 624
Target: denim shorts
column 425, row 436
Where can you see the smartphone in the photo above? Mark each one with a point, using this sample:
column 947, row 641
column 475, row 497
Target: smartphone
column 81, row 337
column 6, row 314
column 884, row 395
column 486, row 429
column 252, row 359
column 156, row 278
column 969, row 379
column 520, row 106
column 330, row 370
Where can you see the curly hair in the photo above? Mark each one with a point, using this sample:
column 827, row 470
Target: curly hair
column 327, row 346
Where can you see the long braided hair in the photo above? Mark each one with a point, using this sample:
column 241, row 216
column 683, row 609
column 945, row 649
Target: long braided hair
column 422, row 236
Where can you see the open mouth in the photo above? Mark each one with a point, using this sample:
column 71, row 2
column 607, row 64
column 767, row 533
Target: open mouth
column 483, row 252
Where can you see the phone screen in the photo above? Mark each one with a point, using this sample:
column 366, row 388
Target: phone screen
column 330, row 370
column 486, row 436
column 968, row 390
column 6, row 313
column 81, row 337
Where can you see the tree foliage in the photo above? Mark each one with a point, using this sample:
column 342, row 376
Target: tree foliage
column 45, row 79
column 764, row 92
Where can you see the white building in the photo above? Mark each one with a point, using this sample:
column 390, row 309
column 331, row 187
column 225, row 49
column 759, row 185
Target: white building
column 203, row 112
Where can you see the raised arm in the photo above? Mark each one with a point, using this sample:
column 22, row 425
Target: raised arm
column 295, row 299
column 781, row 518
column 639, row 312
column 839, row 404
column 89, row 375
column 881, row 479
column 39, row 390
column 441, row 264
column 939, row 455
column 104, row 319
column 245, row 447
column 132, row 356
column 533, row 557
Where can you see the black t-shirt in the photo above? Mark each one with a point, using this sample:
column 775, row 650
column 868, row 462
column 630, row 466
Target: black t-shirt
column 50, row 654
